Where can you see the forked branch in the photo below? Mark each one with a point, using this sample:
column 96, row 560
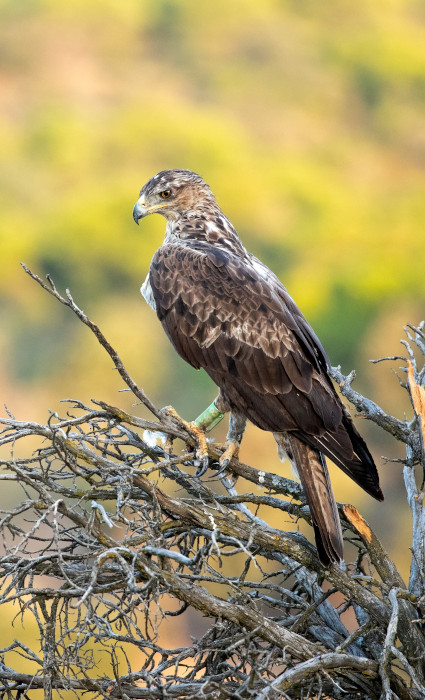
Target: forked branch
column 113, row 536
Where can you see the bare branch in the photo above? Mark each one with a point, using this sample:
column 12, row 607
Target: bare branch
column 70, row 303
column 370, row 410
column 112, row 535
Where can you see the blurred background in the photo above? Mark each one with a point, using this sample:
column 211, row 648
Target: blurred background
column 307, row 120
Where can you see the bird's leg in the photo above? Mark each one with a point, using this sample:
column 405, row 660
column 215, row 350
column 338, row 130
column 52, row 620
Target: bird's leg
column 210, row 417
column 237, row 425
column 203, row 423
column 206, row 421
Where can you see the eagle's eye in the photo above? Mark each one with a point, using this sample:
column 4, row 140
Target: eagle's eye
column 165, row 194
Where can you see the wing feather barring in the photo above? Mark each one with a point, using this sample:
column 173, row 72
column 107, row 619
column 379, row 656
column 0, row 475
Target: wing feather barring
column 226, row 312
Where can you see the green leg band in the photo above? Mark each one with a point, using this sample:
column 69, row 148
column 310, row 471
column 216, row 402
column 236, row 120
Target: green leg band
column 209, row 418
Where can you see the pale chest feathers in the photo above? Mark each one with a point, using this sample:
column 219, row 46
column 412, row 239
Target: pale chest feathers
column 147, row 293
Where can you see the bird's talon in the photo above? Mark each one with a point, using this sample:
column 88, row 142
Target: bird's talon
column 202, row 467
column 201, row 450
column 223, row 467
column 232, row 450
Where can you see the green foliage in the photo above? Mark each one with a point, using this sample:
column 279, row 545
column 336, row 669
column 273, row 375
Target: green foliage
column 308, row 135
column 305, row 118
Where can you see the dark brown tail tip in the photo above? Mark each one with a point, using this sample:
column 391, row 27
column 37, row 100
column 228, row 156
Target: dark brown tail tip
column 329, row 552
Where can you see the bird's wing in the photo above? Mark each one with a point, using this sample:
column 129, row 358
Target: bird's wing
column 224, row 314
column 304, row 332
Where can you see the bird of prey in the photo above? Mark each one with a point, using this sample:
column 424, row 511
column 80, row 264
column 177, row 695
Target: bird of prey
column 225, row 311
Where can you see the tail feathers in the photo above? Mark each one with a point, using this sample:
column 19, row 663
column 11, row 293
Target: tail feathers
column 347, row 449
column 314, row 476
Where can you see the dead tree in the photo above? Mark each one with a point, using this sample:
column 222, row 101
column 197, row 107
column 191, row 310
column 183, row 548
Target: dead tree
column 99, row 555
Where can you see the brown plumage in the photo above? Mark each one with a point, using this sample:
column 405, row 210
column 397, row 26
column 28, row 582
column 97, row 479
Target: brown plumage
column 225, row 311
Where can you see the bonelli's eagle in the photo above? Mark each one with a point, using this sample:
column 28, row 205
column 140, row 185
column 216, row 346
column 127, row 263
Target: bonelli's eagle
column 225, row 311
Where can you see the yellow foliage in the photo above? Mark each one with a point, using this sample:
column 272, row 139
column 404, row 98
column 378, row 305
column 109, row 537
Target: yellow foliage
column 305, row 118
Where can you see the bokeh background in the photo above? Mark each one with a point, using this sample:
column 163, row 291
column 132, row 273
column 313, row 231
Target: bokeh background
column 307, row 120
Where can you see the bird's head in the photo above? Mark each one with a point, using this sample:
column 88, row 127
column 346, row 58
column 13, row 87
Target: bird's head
column 172, row 193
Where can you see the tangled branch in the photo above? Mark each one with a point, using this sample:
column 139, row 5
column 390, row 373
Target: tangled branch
column 113, row 536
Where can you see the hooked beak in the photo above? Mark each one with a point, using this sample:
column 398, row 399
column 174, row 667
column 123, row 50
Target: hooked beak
column 139, row 211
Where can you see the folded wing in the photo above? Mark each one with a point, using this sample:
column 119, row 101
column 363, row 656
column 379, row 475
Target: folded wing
column 231, row 316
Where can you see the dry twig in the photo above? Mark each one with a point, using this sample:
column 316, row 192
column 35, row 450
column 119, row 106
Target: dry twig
column 113, row 536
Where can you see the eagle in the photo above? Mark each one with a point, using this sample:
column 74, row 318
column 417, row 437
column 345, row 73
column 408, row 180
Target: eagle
column 226, row 312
